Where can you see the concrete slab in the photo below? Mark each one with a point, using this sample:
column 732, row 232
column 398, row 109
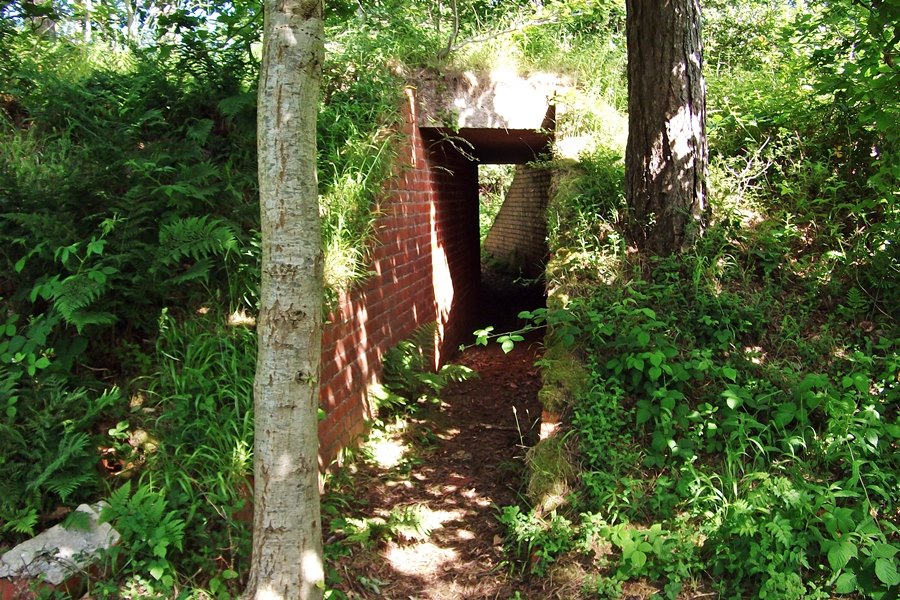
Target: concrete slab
column 58, row 554
column 496, row 100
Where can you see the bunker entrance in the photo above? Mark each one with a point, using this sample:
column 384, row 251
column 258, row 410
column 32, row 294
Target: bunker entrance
column 512, row 233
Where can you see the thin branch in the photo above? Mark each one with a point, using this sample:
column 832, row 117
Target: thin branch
column 445, row 52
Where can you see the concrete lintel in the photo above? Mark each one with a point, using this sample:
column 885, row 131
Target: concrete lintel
column 483, row 145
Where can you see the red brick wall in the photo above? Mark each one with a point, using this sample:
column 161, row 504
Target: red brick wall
column 518, row 238
column 426, row 269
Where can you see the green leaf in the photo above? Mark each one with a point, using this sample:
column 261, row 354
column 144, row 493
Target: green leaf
column 507, row 346
column 654, row 373
column 732, row 399
column 228, row 574
column 160, row 549
column 785, row 413
column 730, row 373
column 840, row 554
column 643, row 415
column 884, row 551
column 643, row 338
column 886, row 571
column 667, row 403
column 846, row 583
column 638, row 559
column 95, row 247
column 156, row 572
column 78, row 521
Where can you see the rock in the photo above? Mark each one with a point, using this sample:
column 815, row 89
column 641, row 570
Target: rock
column 55, row 556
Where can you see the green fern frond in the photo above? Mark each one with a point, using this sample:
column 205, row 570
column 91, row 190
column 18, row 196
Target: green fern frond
column 71, row 446
column 425, row 338
column 199, row 130
column 75, row 293
column 232, row 105
column 78, row 520
column 82, row 318
column 199, row 270
column 21, row 521
column 39, row 228
column 409, row 366
column 457, row 373
column 116, row 504
column 195, row 238
column 856, row 301
column 67, row 483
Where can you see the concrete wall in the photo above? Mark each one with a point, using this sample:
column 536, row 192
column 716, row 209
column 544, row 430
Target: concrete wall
column 426, row 269
column 518, row 238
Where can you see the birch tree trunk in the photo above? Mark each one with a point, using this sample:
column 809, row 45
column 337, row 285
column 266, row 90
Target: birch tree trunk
column 666, row 157
column 287, row 531
column 88, row 9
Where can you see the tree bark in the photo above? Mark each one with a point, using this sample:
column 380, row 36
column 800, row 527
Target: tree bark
column 666, row 156
column 287, row 558
column 88, row 9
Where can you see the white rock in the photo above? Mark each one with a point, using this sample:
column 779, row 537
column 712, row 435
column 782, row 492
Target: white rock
column 59, row 553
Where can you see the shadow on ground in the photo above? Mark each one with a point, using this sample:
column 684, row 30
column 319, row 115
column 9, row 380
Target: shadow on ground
column 452, row 465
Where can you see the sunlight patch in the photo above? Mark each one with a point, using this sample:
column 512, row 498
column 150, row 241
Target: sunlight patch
column 449, row 434
column 240, row 318
column 420, row 559
column 387, row 453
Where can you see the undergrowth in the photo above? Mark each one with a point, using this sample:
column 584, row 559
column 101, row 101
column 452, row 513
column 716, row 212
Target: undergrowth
column 739, row 427
column 738, row 432
column 396, row 441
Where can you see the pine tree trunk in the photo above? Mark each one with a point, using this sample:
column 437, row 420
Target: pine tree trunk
column 287, row 534
column 666, row 157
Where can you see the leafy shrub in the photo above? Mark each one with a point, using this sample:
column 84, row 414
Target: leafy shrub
column 409, row 371
column 534, row 540
column 48, row 449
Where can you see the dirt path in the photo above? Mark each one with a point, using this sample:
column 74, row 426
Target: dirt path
column 437, row 496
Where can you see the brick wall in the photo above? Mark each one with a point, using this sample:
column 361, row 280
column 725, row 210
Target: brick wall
column 425, row 269
column 518, row 238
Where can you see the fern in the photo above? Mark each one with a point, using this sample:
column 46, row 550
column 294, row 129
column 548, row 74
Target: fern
column 20, row 521
column 199, row 130
column 457, row 373
column 195, row 238
column 857, row 303
column 199, row 270
column 233, row 105
column 78, row 292
column 409, row 368
column 47, row 455
column 71, row 448
column 405, row 362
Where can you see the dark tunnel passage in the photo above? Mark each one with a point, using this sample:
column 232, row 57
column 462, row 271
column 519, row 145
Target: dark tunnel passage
column 510, row 277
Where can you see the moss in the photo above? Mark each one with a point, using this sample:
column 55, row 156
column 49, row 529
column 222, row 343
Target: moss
column 550, row 473
column 554, row 399
column 564, row 378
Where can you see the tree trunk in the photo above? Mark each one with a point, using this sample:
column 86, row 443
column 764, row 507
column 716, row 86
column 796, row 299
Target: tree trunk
column 88, row 9
column 287, row 533
column 666, row 157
